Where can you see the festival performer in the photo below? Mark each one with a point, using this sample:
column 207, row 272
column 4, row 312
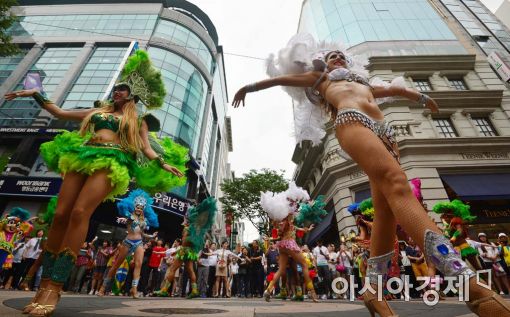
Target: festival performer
column 323, row 78
column 281, row 208
column 98, row 162
column 46, row 218
column 197, row 222
column 13, row 227
column 137, row 214
column 310, row 214
column 456, row 215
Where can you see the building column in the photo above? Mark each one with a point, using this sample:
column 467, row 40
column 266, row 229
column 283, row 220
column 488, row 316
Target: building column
column 21, row 70
column 44, row 117
column 23, row 158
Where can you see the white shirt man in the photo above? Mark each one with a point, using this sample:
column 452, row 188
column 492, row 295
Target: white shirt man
column 33, row 248
column 321, row 253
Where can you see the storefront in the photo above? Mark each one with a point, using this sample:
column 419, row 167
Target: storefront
column 488, row 194
column 33, row 194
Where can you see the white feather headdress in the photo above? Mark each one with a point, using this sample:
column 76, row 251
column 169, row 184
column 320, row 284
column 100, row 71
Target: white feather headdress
column 280, row 205
column 275, row 204
column 302, row 54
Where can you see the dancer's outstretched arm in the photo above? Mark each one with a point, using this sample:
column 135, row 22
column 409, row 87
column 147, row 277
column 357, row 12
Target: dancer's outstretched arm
column 411, row 94
column 50, row 106
column 299, row 80
column 151, row 154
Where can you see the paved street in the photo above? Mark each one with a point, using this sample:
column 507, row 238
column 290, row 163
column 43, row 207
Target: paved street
column 88, row 306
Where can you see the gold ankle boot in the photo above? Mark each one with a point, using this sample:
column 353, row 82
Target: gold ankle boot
column 375, row 306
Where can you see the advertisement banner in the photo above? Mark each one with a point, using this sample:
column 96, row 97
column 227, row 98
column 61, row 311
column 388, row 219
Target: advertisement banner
column 29, row 186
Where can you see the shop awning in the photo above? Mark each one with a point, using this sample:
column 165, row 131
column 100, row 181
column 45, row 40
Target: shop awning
column 479, row 186
column 321, row 228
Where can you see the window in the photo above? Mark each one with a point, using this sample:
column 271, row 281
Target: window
column 83, row 24
column 457, row 84
column 185, row 100
column 95, row 77
column 484, row 126
column 445, row 128
column 422, row 85
column 9, row 63
column 52, row 67
column 181, row 36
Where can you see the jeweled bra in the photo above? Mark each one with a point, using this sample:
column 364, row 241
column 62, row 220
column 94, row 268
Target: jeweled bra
column 105, row 121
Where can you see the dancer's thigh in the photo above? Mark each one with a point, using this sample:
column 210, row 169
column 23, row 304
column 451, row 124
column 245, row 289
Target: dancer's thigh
column 368, row 151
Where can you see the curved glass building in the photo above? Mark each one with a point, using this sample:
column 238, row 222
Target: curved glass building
column 78, row 49
column 384, row 27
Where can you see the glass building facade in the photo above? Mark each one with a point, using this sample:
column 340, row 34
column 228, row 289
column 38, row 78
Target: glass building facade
column 79, row 49
column 490, row 34
column 78, row 63
column 84, row 24
column 95, row 77
column 52, row 65
column 182, row 36
column 354, row 22
column 181, row 115
column 9, row 63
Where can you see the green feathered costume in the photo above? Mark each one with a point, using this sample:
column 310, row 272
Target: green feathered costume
column 311, row 213
column 69, row 151
column 459, row 214
column 199, row 220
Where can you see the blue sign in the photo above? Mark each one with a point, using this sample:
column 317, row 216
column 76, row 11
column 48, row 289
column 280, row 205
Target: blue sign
column 169, row 202
column 29, row 186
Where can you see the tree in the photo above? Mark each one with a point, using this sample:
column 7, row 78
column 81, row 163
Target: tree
column 6, row 20
column 241, row 196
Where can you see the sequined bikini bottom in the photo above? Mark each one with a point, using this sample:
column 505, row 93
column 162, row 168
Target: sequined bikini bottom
column 381, row 128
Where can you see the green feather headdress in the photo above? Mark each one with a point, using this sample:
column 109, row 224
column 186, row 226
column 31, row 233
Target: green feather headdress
column 367, row 208
column 455, row 207
column 145, row 80
column 201, row 219
column 311, row 213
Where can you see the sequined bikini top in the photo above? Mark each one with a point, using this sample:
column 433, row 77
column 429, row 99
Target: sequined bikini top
column 105, row 121
column 339, row 74
column 137, row 225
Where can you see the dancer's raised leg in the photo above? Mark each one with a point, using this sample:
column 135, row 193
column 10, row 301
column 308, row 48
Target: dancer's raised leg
column 106, row 285
column 382, row 250
column 169, row 278
column 383, row 170
column 282, row 266
column 138, row 258
column 193, row 279
column 298, row 258
column 69, row 191
column 97, row 186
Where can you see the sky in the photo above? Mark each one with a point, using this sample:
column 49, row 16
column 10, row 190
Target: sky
column 261, row 131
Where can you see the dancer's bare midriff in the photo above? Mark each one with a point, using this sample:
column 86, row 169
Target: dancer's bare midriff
column 105, row 136
column 351, row 95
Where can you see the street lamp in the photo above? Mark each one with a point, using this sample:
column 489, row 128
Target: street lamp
column 342, row 238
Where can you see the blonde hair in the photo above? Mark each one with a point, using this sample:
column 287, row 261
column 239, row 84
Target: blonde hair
column 129, row 130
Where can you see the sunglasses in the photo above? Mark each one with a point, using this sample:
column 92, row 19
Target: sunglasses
column 121, row 88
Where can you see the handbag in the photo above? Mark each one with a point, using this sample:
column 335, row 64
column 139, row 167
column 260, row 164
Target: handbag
column 498, row 268
column 222, row 263
column 340, row 268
